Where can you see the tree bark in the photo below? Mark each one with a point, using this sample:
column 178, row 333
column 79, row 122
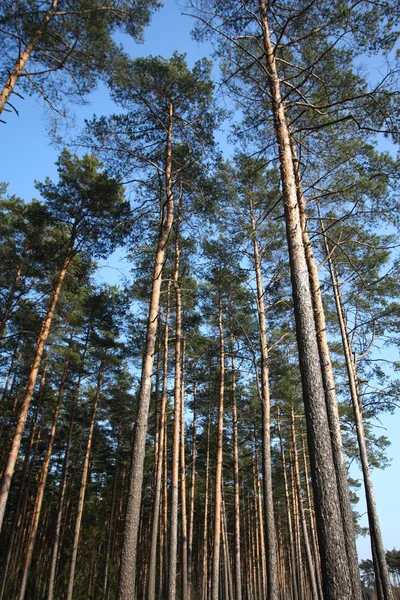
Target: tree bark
column 24, row 56
column 272, row 573
column 218, row 469
column 111, row 523
column 205, row 523
column 127, row 576
column 192, row 490
column 151, row 594
column 17, row 514
column 236, row 483
column 378, row 550
column 30, row 386
column 306, row 539
column 173, row 548
column 330, row 390
column 63, row 487
column 82, row 490
column 184, row 540
column 335, row 569
column 292, row 553
column 314, row 541
column 42, row 484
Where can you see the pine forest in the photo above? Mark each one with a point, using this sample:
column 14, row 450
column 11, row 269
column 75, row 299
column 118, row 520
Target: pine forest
column 205, row 425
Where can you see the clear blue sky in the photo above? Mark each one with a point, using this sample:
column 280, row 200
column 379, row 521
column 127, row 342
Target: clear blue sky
column 26, row 154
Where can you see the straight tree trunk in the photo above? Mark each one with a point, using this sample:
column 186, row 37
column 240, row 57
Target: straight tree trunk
column 24, row 56
column 330, row 390
column 173, row 548
column 296, row 520
column 82, row 490
column 272, row 576
column 192, row 490
column 236, row 483
column 292, row 553
column 314, row 540
column 378, row 550
column 227, row 560
column 110, row 527
column 17, row 509
column 218, row 470
column 63, row 487
column 306, row 539
column 335, row 569
column 262, row 538
column 184, row 540
column 205, row 523
column 30, row 386
column 151, row 594
column 127, row 575
column 42, row 484
column 165, row 510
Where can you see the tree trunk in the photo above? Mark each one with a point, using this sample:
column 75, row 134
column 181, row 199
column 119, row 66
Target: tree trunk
column 314, row 541
column 165, row 510
column 296, row 520
column 378, row 553
column 205, row 523
column 63, row 487
column 17, row 514
column 30, row 386
column 42, row 484
column 336, row 576
column 82, row 491
column 173, row 548
column 262, row 538
column 306, row 539
column 292, row 554
column 330, row 390
column 218, row 470
column 24, row 56
column 272, row 577
column 236, row 483
column 184, row 545
column 192, row 491
column 127, row 576
column 111, row 523
column 151, row 594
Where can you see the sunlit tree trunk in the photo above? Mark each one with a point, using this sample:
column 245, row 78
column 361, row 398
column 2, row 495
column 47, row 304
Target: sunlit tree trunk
column 218, row 469
column 184, row 541
column 330, row 389
column 306, row 539
column 335, row 569
column 205, row 521
column 159, row 469
column 127, row 575
column 292, row 553
column 42, row 484
column 82, row 490
column 173, row 548
column 378, row 550
column 236, row 483
column 30, row 386
column 63, row 487
column 17, row 510
column 272, row 578
column 111, row 523
column 25, row 55
column 192, row 490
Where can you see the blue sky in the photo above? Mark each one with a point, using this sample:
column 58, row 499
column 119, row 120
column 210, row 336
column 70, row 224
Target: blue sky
column 27, row 154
